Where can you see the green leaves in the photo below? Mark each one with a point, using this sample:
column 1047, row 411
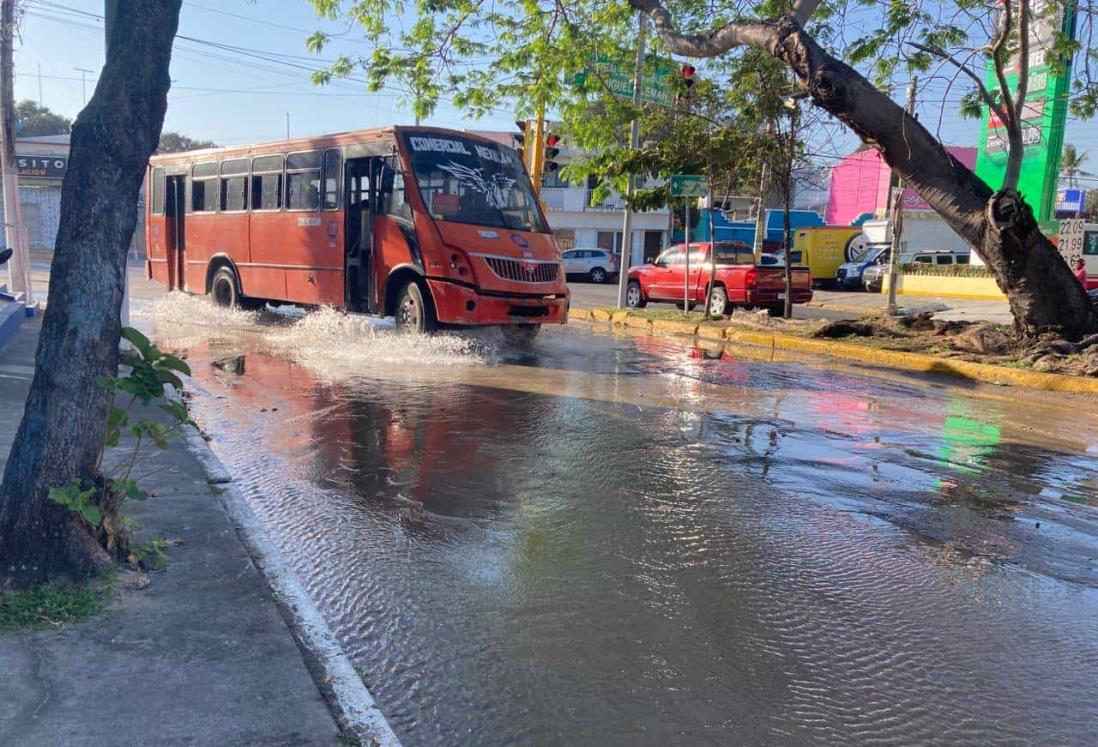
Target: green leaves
column 78, row 501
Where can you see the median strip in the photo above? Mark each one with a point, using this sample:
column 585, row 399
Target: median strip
column 921, row 362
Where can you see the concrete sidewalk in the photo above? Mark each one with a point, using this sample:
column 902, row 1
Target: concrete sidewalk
column 944, row 308
column 200, row 657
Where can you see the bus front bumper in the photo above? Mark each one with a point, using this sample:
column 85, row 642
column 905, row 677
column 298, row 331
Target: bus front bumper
column 461, row 304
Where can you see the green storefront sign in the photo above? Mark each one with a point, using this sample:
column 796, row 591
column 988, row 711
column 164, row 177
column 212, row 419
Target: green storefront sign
column 1043, row 118
column 657, row 86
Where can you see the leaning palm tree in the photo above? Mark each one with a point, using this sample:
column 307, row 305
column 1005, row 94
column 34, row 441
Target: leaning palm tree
column 1071, row 163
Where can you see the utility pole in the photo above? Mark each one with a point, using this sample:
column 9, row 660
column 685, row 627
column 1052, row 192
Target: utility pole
column 537, row 150
column 83, row 81
column 760, row 216
column 287, row 125
column 897, row 218
column 630, row 184
column 15, row 234
column 40, row 101
column 787, row 188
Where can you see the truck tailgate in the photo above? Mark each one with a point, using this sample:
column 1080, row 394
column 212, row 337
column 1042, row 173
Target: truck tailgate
column 773, row 278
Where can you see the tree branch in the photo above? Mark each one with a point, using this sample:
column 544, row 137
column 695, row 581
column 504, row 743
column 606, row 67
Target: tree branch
column 803, row 10
column 985, row 94
column 718, row 41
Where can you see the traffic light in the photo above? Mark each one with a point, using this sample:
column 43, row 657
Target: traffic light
column 552, row 141
column 518, row 139
column 688, row 76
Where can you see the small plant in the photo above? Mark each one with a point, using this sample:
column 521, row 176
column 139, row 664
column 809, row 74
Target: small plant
column 54, row 604
column 98, row 500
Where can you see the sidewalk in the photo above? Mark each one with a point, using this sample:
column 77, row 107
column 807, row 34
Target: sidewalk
column 200, row 657
column 959, row 309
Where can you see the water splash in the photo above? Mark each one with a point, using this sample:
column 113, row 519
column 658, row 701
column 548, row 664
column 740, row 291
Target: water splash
column 339, row 342
column 177, row 307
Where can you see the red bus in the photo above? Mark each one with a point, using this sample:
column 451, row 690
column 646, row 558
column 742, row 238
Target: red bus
column 428, row 225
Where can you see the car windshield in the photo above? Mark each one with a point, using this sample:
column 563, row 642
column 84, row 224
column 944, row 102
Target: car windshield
column 869, row 253
column 469, row 181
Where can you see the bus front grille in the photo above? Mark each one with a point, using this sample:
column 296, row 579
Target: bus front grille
column 524, row 272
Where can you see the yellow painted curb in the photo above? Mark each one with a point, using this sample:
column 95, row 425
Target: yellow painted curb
column 675, row 328
column 600, row 315
column 709, row 332
column 985, row 372
column 896, row 359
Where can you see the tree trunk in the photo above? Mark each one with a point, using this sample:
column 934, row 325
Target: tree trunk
column 1041, row 288
column 66, row 412
column 1042, row 291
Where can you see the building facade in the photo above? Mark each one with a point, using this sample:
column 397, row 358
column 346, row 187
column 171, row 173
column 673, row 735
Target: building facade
column 42, row 163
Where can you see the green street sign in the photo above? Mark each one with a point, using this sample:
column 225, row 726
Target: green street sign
column 689, row 185
column 1044, row 115
column 657, row 84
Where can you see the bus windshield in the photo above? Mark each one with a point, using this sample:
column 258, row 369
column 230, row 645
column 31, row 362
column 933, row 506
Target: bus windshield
column 470, row 181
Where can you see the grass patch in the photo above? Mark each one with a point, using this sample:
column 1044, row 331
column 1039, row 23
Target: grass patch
column 54, row 605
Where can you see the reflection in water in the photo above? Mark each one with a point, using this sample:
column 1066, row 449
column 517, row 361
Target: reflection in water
column 618, row 541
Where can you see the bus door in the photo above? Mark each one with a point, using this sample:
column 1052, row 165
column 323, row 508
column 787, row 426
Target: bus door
column 175, row 243
column 360, row 182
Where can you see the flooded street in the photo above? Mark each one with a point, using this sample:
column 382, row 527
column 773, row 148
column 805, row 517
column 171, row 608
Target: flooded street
column 613, row 540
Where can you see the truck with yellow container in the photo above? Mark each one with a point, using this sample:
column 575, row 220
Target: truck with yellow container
column 824, row 248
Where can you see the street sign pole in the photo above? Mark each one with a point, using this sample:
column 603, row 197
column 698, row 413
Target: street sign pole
column 686, row 258
column 630, row 184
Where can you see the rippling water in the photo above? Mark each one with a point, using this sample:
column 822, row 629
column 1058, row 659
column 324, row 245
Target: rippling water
column 623, row 541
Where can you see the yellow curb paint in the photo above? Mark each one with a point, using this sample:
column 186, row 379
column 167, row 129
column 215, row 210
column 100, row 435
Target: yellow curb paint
column 600, row 315
column 710, row 332
column 673, row 327
column 618, row 317
column 897, row 359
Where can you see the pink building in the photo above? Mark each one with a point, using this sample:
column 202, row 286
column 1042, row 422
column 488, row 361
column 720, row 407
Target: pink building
column 859, row 184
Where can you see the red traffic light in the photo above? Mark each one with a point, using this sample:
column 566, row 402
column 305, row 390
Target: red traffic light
column 688, row 75
column 552, row 139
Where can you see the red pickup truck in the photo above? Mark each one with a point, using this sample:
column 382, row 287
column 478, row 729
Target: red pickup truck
column 740, row 281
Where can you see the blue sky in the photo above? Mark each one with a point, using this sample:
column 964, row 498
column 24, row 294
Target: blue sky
column 234, row 97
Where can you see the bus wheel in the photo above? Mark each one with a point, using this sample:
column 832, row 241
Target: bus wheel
column 520, row 335
column 223, row 288
column 413, row 312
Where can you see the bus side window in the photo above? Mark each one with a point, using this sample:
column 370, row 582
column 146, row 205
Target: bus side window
column 158, row 191
column 267, row 183
column 394, row 184
column 333, row 175
column 234, row 185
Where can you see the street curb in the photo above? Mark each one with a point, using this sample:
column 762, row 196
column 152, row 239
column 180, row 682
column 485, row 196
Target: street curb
column 355, row 707
column 12, row 314
column 919, row 362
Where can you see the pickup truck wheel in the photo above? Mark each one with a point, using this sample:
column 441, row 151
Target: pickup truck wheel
column 718, row 302
column 634, row 297
column 776, row 309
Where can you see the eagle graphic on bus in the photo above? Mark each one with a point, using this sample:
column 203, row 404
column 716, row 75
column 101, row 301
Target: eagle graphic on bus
column 495, row 188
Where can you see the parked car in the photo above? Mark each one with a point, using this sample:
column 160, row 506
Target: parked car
column 849, row 274
column 874, row 275
column 596, row 265
column 740, row 282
